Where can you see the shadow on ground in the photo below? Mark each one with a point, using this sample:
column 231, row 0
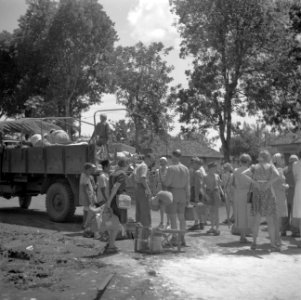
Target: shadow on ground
column 37, row 219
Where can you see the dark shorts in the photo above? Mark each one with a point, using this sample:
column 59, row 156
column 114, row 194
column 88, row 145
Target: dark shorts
column 192, row 195
column 214, row 198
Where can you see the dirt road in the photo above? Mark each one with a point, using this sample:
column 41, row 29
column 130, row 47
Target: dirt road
column 40, row 259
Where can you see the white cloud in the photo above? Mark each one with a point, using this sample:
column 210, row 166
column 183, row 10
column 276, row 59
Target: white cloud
column 152, row 21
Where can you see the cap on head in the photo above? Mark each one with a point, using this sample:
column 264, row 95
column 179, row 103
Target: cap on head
column 212, row 165
column 293, row 158
column 177, row 153
column 88, row 166
column 245, row 159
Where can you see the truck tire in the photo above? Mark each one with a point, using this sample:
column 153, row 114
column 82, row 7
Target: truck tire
column 24, row 201
column 60, row 204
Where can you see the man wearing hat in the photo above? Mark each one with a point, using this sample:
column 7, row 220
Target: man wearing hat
column 177, row 181
column 288, row 224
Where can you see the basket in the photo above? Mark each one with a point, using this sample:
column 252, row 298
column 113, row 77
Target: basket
column 154, row 203
column 124, row 201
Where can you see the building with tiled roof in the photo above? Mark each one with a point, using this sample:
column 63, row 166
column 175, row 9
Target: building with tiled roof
column 287, row 144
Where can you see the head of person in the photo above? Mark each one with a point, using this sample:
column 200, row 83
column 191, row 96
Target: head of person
column 264, row 157
column 228, row 167
column 245, row 160
column 176, row 155
column 105, row 165
column 149, row 159
column 123, row 163
column 163, row 162
column 212, row 167
column 195, row 163
column 278, row 160
column 89, row 168
column 103, row 118
column 293, row 158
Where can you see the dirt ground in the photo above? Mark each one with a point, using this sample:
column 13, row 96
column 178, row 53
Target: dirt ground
column 40, row 259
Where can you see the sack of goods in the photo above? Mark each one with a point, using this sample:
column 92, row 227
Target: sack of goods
column 124, row 201
column 154, row 203
column 165, row 197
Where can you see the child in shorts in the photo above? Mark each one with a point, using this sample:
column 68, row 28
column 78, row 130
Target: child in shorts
column 212, row 186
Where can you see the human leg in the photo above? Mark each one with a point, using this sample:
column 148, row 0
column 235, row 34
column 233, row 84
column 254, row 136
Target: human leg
column 181, row 217
column 272, row 229
column 255, row 229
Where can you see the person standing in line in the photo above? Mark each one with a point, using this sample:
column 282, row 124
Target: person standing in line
column 227, row 186
column 87, row 195
column 262, row 176
column 177, row 181
column 280, row 188
column 103, row 186
column 160, row 175
column 197, row 174
column 118, row 184
column 289, row 223
column 297, row 196
column 241, row 188
column 143, row 191
column 212, row 186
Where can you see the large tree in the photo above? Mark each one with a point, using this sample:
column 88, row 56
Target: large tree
column 143, row 78
column 225, row 39
column 63, row 52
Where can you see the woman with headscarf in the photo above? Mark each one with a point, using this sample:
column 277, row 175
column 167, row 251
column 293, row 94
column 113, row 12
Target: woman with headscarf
column 241, row 188
column 262, row 176
column 279, row 187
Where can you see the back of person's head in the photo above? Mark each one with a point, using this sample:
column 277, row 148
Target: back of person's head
column 293, row 158
column 103, row 117
column 212, row 165
column 265, row 155
column 177, row 153
column 245, row 159
column 228, row 167
column 88, row 166
column 122, row 162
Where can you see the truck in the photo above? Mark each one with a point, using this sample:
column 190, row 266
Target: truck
column 53, row 170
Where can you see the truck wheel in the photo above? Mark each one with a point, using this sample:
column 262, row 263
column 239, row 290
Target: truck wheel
column 24, row 201
column 60, row 204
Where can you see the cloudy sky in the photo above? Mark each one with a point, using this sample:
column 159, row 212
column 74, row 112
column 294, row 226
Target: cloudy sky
column 135, row 20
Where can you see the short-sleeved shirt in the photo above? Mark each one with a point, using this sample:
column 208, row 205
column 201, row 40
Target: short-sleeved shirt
column 86, row 191
column 103, row 182
column 141, row 172
column 177, row 177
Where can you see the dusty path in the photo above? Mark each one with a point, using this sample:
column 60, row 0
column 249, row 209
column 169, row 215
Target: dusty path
column 59, row 264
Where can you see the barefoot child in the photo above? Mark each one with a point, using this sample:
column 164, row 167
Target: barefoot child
column 212, row 185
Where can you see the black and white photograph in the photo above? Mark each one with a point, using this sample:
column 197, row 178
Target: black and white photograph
column 150, row 149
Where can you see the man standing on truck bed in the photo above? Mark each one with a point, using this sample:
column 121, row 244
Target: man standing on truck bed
column 102, row 133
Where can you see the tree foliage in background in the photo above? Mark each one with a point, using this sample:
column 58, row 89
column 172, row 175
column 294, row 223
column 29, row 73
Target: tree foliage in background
column 142, row 79
column 227, row 41
column 250, row 139
column 62, row 55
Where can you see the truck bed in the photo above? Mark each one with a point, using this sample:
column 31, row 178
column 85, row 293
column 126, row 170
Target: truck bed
column 56, row 159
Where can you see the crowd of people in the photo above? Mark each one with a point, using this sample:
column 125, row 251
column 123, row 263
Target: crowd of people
column 250, row 192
